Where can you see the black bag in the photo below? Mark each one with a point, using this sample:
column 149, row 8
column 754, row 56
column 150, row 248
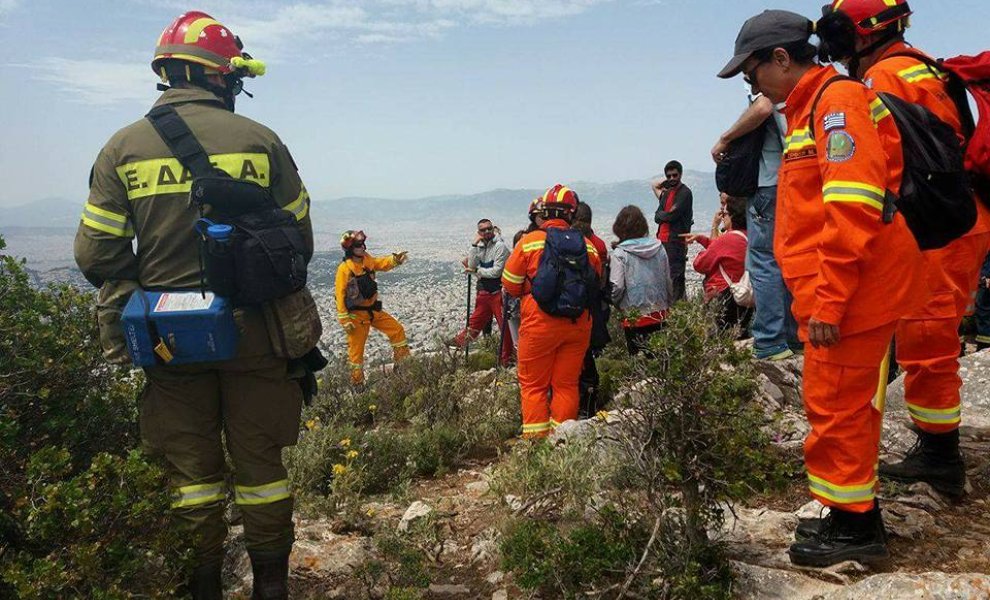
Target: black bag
column 936, row 197
column 565, row 284
column 360, row 289
column 265, row 258
column 738, row 173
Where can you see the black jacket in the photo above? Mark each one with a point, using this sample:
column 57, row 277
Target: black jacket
column 681, row 215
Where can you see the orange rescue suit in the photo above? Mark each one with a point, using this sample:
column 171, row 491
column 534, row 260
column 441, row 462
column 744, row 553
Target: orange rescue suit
column 928, row 339
column 846, row 267
column 551, row 349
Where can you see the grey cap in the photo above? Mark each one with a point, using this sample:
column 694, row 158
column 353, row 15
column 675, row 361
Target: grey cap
column 769, row 29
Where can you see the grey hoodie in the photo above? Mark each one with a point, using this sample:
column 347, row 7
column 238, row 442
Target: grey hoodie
column 640, row 276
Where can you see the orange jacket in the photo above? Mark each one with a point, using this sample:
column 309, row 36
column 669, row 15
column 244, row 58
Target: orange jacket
column 912, row 80
column 521, row 268
column 844, row 265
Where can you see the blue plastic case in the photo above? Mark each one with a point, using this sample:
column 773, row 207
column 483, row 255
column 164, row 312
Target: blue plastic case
column 194, row 329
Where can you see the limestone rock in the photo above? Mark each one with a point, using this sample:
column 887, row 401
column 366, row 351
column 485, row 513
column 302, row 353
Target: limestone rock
column 416, row 510
column 927, row 586
column 446, row 590
column 762, row 583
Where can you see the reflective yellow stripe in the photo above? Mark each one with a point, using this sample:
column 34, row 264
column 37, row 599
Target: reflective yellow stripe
column 879, row 110
column 800, row 138
column 983, row 339
column 107, row 221
column 262, row 494
column 196, row 28
column 401, row 344
column 854, row 191
column 356, row 366
column 167, row 176
column 512, row 277
column 196, row 495
column 300, row 206
column 918, row 73
column 531, row 246
column 935, row 416
column 842, row 494
column 536, row 427
column 592, row 249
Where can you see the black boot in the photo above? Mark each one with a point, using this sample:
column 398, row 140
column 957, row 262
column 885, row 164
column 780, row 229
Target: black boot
column 843, row 536
column 934, row 459
column 206, row 582
column 271, row 575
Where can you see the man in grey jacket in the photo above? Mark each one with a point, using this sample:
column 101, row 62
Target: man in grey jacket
column 486, row 259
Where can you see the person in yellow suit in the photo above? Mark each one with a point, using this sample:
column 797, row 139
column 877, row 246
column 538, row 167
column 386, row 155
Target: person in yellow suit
column 358, row 306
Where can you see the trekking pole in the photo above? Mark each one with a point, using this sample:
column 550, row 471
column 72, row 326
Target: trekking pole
column 467, row 324
column 502, row 327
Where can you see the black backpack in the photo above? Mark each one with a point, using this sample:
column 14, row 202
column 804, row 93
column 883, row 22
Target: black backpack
column 565, row 284
column 936, row 197
column 738, row 172
column 265, row 258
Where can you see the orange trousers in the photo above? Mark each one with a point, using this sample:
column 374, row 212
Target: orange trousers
column 928, row 341
column 844, row 391
column 551, row 355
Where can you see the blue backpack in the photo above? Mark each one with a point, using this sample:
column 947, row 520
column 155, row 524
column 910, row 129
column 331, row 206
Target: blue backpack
column 565, row 284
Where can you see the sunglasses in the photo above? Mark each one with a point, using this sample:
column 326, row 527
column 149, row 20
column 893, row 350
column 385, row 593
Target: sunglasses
column 486, row 229
column 672, row 175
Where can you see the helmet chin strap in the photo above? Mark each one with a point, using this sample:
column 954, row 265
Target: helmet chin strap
column 196, row 75
column 856, row 59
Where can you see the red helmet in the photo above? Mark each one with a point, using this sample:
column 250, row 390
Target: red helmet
column 352, row 238
column 198, row 38
column 560, row 196
column 870, row 16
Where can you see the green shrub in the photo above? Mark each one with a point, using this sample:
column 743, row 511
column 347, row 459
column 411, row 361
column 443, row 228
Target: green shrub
column 81, row 513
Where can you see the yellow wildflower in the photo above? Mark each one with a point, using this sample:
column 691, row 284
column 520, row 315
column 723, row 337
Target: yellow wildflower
column 372, row 407
column 339, row 469
column 602, row 415
column 352, row 454
column 346, row 442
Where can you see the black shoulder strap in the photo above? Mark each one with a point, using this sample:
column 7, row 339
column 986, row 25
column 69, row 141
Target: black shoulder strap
column 181, row 141
column 821, row 92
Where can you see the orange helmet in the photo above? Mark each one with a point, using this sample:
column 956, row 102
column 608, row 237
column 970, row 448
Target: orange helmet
column 196, row 37
column 560, row 196
column 870, row 16
column 352, row 238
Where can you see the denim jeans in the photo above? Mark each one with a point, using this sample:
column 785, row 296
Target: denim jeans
column 773, row 325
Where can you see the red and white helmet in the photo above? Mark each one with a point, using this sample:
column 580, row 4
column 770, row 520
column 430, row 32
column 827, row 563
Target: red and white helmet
column 870, row 16
column 352, row 238
column 198, row 38
column 560, row 197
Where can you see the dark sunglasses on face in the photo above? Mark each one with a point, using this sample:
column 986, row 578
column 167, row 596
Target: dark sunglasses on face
column 673, row 175
column 486, row 229
column 357, row 245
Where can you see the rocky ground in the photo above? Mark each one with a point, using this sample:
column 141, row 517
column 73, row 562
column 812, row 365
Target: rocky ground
column 940, row 549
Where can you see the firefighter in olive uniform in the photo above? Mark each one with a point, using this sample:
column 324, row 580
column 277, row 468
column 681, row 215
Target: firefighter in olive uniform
column 138, row 189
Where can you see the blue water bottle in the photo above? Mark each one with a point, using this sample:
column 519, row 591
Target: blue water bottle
column 218, row 257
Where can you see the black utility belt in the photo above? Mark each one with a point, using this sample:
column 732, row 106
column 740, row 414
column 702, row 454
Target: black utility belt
column 490, row 285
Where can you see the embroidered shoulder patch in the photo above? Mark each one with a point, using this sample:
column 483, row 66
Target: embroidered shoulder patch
column 836, row 120
column 841, row 146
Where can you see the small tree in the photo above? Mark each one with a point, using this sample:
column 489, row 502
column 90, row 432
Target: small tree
column 82, row 514
column 690, row 442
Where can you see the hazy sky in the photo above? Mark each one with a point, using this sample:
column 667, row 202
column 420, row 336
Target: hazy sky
column 409, row 98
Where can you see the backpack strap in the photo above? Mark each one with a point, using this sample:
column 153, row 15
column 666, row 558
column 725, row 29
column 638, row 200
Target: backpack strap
column 726, row 277
column 955, row 87
column 180, row 140
column 821, row 92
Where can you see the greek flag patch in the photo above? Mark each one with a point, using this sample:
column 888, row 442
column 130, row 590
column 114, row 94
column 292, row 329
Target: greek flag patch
column 835, row 121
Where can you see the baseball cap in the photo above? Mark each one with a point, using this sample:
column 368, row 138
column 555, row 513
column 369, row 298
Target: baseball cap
column 768, row 29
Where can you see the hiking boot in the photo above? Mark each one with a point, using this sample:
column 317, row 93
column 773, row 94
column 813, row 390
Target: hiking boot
column 935, row 460
column 842, row 536
column 206, row 582
column 271, row 575
column 810, row 527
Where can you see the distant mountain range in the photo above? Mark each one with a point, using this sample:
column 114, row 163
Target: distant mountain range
column 503, row 206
